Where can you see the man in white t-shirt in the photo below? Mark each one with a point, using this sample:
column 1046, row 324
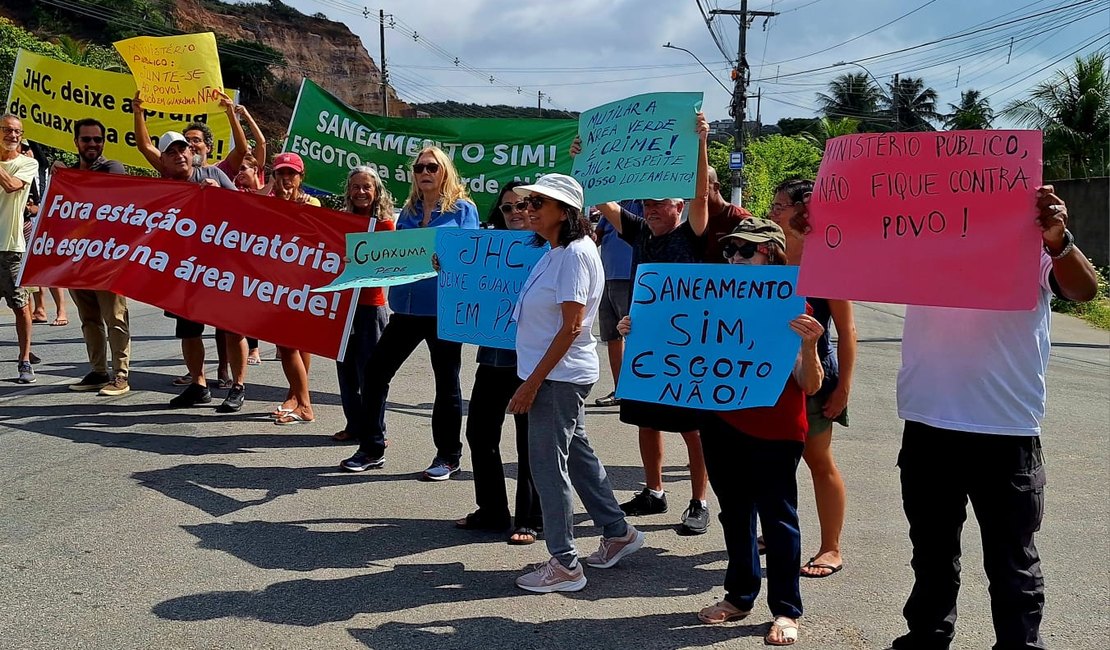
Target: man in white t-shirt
column 16, row 174
column 972, row 393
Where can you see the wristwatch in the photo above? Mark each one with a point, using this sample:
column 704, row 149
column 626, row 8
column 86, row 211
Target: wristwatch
column 1069, row 243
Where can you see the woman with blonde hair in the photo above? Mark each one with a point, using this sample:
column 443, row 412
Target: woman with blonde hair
column 438, row 200
column 365, row 196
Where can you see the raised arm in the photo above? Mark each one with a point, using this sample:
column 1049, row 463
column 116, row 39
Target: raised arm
column 238, row 137
column 699, row 207
column 142, row 135
column 259, row 150
column 1074, row 274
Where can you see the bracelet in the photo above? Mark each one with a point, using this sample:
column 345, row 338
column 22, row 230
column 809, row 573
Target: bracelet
column 1069, row 244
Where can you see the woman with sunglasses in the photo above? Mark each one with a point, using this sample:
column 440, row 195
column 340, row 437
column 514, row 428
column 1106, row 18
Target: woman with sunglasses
column 297, row 407
column 367, row 197
column 438, row 200
column 830, row 404
column 752, row 458
column 557, row 361
column 494, row 384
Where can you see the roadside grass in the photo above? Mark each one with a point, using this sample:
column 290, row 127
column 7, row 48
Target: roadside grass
column 1095, row 312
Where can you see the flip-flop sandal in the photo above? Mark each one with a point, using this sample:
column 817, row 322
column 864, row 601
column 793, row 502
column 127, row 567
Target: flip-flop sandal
column 225, row 383
column 527, row 536
column 38, row 321
column 788, row 630
column 183, row 380
column 811, row 565
column 292, row 417
column 59, row 322
column 254, row 361
column 280, row 412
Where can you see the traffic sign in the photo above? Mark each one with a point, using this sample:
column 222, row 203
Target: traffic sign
column 736, row 160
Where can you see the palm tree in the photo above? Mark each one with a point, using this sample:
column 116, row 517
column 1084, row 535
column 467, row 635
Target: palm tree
column 973, row 112
column 855, row 96
column 1072, row 108
column 825, row 129
column 74, row 50
column 912, row 106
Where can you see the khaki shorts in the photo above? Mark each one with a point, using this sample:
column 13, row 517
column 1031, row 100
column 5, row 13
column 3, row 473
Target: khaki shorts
column 818, row 423
column 9, row 271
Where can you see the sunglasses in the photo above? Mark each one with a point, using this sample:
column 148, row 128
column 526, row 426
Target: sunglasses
column 420, row 168
column 536, row 202
column 98, row 139
column 508, row 208
column 747, row 250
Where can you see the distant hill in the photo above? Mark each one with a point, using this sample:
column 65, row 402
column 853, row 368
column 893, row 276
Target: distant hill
column 456, row 109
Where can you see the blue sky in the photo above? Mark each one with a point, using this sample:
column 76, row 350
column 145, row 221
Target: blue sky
column 582, row 53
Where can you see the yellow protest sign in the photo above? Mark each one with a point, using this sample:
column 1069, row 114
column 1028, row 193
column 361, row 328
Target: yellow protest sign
column 49, row 96
column 175, row 73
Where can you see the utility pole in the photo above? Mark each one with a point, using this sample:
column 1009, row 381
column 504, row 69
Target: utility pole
column 385, row 88
column 738, row 110
column 896, row 104
column 539, row 100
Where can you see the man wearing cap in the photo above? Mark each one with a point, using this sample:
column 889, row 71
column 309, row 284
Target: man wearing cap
column 16, row 174
column 661, row 236
column 104, row 319
column 176, row 164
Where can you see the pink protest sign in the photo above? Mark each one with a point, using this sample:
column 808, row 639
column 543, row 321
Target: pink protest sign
column 945, row 219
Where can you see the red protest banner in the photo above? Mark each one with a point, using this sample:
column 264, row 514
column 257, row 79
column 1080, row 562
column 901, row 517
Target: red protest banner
column 238, row 261
column 944, row 219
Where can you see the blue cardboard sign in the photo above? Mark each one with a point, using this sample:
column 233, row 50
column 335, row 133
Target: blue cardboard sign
column 736, row 160
column 714, row 337
column 643, row 147
column 386, row 258
column 481, row 273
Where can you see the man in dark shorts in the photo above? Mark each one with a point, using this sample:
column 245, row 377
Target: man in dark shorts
column 616, row 258
column 176, row 163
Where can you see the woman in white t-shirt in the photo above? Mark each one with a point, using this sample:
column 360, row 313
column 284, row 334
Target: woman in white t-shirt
column 557, row 361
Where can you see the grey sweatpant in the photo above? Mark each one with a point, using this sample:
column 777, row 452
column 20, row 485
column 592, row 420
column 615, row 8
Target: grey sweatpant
column 560, row 455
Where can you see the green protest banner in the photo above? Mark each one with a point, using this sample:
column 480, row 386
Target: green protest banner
column 383, row 259
column 332, row 137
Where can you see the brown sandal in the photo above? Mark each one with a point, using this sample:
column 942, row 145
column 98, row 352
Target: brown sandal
column 721, row 612
column 342, row 436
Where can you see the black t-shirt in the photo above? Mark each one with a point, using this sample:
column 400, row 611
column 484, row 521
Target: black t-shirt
column 679, row 245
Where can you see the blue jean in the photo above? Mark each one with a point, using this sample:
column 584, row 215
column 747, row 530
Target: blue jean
column 561, row 456
column 366, row 329
column 755, row 477
column 398, row 341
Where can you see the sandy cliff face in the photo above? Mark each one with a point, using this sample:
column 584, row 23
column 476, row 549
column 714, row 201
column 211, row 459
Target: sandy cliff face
column 325, row 51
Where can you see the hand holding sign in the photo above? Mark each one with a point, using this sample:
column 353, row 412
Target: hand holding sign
column 383, row 259
column 947, row 217
column 722, row 341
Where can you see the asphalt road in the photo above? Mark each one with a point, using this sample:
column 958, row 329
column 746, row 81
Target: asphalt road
column 124, row 524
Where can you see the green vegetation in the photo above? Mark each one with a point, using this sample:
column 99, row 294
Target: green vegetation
column 1095, row 312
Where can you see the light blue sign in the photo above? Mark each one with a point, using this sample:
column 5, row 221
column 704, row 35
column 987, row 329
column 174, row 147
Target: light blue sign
column 481, row 273
column 643, row 147
column 715, row 337
column 386, row 258
column 736, row 160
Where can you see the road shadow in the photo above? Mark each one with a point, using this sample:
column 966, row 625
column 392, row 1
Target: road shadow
column 651, row 632
column 204, row 485
column 650, row 573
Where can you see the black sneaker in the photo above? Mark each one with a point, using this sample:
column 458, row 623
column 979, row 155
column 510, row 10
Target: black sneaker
column 695, row 521
column 193, row 395
column 361, row 462
column 645, row 503
column 234, row 400
column 92, row 381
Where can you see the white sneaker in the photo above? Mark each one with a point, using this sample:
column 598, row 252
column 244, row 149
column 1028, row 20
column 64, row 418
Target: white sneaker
column 553, row 576
column 612, row 549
